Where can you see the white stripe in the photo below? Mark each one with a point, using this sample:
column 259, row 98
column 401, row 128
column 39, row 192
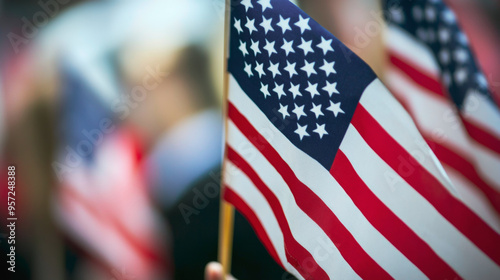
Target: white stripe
column 476, row 107
column 405, row 45
column 258, row 204
column 437, row 118
column 434, row 115
column 394, row 119
column 488, row 164
column 482, row 112
column 474, row 198
column 244, row 187
column 415, row 211
column 305, row 231
column 325, row 186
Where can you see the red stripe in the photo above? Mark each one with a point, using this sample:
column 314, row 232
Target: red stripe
column 417, row 75
column 460, row 164
column 296, row 255
column 243, row 208
column 387, row 223
column 455, row 160
column 426, row 185
column 482, row 136
column 312, row 205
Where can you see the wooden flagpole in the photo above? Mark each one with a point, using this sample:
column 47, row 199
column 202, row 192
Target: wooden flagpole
column 226, row 211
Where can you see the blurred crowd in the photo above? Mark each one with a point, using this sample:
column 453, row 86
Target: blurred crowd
column 111, row 112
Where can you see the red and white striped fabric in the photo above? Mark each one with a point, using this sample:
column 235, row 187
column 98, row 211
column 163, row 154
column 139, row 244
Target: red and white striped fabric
column 105, row 210
column 465, row 140
column 373, row 216
column 361, row 196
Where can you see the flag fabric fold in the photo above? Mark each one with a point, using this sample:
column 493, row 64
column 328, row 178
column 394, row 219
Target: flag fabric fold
column 330, row 169
column 434, row 74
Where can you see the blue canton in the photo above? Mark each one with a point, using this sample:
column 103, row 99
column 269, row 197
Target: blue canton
column 304, row 80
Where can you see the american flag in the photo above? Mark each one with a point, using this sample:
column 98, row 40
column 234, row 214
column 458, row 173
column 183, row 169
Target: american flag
column 102, row 204
column 330, row 169
column 433, row 72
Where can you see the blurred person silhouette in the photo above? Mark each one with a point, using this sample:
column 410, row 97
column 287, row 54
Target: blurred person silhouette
column 180, row 120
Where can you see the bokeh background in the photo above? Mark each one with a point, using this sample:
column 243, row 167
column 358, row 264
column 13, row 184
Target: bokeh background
column 111, row 112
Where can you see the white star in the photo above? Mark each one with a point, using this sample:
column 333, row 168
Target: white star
column 328, row 68
column 260, row 69
column 284, row 111
column 301, row 131
column 290, row 68
column 273, row 68
column 430, row 13
column 460, row 75
column 248, row 69
column 284, row 24
column 299, row 111
column 448, row 16
column 306, row 46
column 312, row 89
column 270, row 48
column 237, row 25
column 460, row 55
column 264, row 90
column 308, row 68
column 444, row 56
column 316, row 109
column 303, row 24
column 325, row 45
column 247, row 3
column 335, row 108
column 481, row 80
column 255, row 47
column 287, row 46
column 295, row 90
column 266, row 24
column 462, row 38
column 397, row 15
column 243, row 48
column 250, row 25
column 446, row 78
column 320, row 129
column 444, row 35
column 331, row 88
column 279, row 90
column 265, row 4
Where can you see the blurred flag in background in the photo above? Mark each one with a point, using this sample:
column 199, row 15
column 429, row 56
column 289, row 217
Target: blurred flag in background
column 434, row 74
column 102, row 203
